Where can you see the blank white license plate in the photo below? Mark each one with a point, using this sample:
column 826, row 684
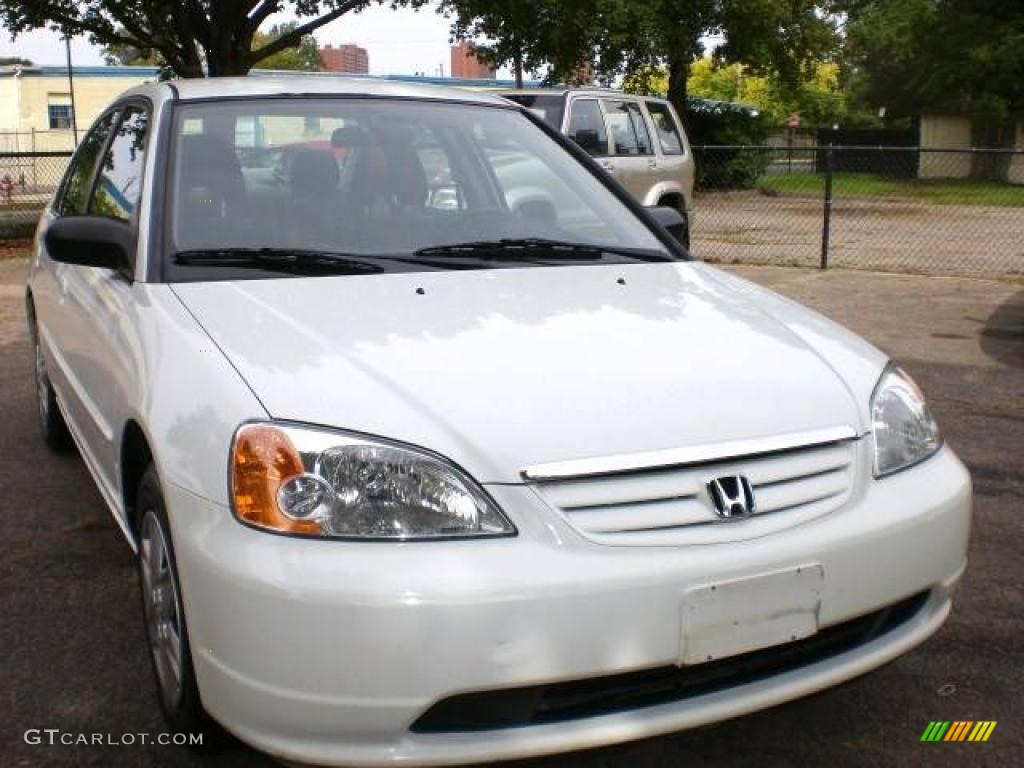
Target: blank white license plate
column 732, row 617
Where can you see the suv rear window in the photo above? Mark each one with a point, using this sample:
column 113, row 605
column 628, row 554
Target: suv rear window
column 665, row 124
column 548, row 108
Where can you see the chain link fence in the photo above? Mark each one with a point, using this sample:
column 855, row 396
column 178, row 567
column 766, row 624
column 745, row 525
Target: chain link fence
column 906, row 209
column 27, row 181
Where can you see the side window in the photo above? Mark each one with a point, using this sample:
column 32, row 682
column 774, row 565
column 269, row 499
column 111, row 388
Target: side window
column 627, row 127
column 119, row 185
column 74, row 196
column 586, row 127
column 643, row 138
column 668, row 132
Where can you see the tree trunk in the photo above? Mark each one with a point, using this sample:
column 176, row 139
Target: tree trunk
column 993, row 133
column 232, row 48
column 678, row 75
column 517, row 66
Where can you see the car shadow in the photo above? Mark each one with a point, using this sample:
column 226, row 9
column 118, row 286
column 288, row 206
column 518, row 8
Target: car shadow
column 1002, row 338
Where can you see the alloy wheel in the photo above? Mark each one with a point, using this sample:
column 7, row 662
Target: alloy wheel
column 162, row 607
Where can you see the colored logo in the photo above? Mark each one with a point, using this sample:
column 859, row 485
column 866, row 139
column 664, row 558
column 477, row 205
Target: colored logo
column 958, row 730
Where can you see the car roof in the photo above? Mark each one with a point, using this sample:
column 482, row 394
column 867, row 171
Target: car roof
column 562, row 91
column 313, row 84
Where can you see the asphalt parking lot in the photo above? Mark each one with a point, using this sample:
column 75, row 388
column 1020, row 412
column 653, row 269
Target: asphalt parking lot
column 74, row 651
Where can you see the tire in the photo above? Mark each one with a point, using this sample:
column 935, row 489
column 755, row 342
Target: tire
column 164, row 616
column 51, row 421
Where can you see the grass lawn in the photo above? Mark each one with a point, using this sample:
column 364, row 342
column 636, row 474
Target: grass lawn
column 853, row 185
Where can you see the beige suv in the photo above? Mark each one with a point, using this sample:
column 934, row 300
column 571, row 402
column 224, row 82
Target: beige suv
column 639, row 140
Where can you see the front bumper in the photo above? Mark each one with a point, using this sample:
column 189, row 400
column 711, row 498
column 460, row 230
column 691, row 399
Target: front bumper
column 327, row 652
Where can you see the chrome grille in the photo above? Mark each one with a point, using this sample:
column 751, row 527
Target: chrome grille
column 668, row 506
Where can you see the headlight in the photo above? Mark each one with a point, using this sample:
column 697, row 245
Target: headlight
column 904, row 430
column 316, row 482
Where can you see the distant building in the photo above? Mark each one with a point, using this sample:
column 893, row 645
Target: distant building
column 465, row 64
column 349, row 58
column 945, row 131
column 35, row 101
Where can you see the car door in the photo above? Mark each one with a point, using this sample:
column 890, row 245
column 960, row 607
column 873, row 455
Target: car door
column 675, row 163
column 57, row 289
column 97, row 303
column 633, row 160
column 585, row 125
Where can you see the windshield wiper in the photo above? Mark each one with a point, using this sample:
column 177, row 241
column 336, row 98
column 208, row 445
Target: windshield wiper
column 295, row 260
column 536, row 249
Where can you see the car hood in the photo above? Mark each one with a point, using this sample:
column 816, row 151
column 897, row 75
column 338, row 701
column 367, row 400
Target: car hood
column 500, row 369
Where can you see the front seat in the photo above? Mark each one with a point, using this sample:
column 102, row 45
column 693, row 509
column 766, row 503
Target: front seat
column 313, row 181
column 210, row 191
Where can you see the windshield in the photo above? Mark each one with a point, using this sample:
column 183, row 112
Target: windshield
column 380, row 178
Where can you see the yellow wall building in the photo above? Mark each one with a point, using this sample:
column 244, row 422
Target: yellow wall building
column 954, row 131
column 35, row 102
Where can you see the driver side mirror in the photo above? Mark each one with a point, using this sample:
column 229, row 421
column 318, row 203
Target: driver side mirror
column 673, row 221
column 92, row 241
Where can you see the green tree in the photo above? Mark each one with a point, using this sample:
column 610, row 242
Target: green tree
column 781, row 36
column 525, row 36
column 304, row 57
column 11, row 61
column 124, row 54
column 637, row 36
column 195, row 38
column 818, row 96
column 961, row 56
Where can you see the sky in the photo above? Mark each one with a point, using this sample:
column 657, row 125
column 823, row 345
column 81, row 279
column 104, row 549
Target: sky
column 400, row 42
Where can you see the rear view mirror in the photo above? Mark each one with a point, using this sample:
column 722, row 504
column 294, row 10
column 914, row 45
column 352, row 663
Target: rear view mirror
column 589, row 141
column 672, row 220
column 91, row 241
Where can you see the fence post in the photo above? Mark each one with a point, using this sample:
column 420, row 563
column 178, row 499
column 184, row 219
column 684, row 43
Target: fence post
column 35, row 163
column 827, row 225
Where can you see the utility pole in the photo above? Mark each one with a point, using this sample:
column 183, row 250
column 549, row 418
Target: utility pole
column 71, row 87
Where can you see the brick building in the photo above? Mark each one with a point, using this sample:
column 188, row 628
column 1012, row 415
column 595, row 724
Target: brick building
column 465, row 64
column 348, row 58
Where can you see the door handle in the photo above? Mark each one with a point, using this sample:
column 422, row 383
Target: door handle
column 607, row 166
column 652, row 163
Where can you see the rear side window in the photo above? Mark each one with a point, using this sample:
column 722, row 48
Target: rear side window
column 119, row 185
column 628, row 129
column 586, row 127
column 74, row 197
column 548, row 108
column 668, row 132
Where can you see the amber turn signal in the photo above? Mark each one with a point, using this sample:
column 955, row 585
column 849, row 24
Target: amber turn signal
column 262, row 459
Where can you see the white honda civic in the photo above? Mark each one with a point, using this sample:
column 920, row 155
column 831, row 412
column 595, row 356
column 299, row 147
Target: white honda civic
column 436, row 447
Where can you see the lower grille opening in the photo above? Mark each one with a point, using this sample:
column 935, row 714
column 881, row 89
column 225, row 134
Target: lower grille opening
column 577, row 699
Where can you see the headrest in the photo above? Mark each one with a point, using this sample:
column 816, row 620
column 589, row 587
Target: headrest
column 203, row 149
column 312, row 171
column 349, row 136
